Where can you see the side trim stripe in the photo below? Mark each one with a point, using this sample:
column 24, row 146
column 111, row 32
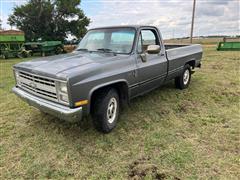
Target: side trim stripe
column 148, row 80
column 175, row 70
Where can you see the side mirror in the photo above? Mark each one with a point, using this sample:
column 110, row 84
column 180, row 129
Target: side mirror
column 153, row 49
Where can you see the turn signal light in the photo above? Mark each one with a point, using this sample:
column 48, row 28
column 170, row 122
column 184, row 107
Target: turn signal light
column 80, row 103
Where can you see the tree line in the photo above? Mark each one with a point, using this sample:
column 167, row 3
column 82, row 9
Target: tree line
column 50, row 19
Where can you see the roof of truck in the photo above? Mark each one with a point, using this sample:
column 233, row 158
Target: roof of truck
column 124, row 26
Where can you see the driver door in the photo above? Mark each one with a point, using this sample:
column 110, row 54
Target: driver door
column 152, row 68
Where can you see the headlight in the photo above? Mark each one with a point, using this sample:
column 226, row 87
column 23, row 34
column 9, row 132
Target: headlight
column 17, row 76
column 62, row 92
column 64, row 98
column 63, row 87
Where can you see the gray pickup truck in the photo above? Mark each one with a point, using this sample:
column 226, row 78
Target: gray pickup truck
column 110, row 66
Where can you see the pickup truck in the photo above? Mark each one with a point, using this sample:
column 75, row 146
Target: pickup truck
column 110, row 66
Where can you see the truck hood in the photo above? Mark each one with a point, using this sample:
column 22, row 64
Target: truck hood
column 60, row 66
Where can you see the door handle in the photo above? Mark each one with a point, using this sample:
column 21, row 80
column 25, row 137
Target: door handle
column 162, row 54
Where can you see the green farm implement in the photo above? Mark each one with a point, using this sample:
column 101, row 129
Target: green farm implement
column 44, row 48
column 229, row 44
column 11, row 44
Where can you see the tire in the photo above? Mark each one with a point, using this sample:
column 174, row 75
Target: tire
column 106, row 110
column 30, row 53
column 24, row 54
column 58, row 50
column 5, row 56
column 183, row 81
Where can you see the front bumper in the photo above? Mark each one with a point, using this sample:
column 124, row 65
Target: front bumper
column 57, row 110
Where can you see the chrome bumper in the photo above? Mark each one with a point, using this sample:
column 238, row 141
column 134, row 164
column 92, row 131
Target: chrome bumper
column 57, row 110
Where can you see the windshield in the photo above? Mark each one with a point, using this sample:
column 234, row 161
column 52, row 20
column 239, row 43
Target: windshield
column 117, row 40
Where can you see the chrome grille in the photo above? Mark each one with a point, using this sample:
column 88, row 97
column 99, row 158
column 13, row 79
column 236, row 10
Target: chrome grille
column 37, row 85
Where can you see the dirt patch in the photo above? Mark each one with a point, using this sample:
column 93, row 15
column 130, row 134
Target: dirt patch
column 187, row 106
column 231, row 93
column 143, row 167
column 217, row 67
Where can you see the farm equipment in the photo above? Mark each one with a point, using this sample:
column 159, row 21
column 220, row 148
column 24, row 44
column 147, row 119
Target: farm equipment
column 11, row 44
column 44, row 48
column 229, row 44
column 71, row 45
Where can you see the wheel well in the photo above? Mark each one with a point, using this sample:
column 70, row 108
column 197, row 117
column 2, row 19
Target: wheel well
column 121, row 88
column 191, row 63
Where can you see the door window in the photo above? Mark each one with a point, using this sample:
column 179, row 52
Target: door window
column 149, row 37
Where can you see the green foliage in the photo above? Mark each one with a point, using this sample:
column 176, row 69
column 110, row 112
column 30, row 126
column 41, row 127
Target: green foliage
column 50, row 20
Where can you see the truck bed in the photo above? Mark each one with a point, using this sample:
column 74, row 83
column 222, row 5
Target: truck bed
column 179, row 51
column 173, row 46
column 179, row 54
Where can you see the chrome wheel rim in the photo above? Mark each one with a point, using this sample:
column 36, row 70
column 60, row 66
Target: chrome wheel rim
column 112, row 110
column 186, row 76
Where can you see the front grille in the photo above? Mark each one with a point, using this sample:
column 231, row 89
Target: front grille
column 37, row 85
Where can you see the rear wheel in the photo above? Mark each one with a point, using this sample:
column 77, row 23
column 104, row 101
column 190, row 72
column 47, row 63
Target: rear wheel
column 183, row 81
column 24, row 54
column 5, row 56
column 106, row 110
column 58, row 50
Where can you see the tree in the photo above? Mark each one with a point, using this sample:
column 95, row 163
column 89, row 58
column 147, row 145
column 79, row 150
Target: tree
column 50, row 19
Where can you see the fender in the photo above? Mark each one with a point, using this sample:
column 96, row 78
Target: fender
column 104, row 85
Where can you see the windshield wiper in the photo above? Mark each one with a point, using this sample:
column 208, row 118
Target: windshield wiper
column 106, row 50
column 82, row 49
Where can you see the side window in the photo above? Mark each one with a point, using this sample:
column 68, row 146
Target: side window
column 149, row 37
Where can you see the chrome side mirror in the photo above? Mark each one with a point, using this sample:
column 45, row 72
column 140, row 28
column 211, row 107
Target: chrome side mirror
column 153, row 49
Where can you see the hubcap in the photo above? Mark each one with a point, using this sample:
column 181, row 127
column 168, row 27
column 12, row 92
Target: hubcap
column 186, row 76
column 112, row 110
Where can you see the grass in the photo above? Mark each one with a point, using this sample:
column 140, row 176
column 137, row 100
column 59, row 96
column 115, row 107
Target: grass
column 168, row 133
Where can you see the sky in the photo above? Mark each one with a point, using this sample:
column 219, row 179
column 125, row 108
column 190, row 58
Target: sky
column 172, row 17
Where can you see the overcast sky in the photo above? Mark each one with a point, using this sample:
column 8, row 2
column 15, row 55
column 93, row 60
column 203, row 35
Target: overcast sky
column 172, row 17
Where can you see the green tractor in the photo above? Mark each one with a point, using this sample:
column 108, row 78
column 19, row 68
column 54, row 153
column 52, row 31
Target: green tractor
column 12, row 44
column 229, row 44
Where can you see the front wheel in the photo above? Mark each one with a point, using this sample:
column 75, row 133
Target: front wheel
column 183, row 81
column 106, row 110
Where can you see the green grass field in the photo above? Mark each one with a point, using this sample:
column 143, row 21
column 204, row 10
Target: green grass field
column 168, row 133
